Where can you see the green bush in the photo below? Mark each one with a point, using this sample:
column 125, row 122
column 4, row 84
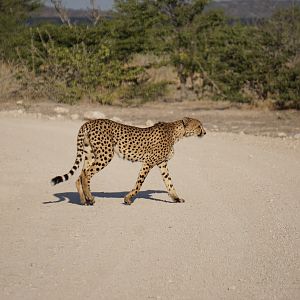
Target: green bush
column 288, row 87
column 75, row 71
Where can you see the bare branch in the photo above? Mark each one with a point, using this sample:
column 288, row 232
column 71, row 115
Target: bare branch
column 62, row 12
column 94, row 13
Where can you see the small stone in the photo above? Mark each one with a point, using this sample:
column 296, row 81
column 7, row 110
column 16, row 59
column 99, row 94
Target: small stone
column 149, row 123
column 20, row 102
column 93, row 115
column 74, row 116
column 281, row 134
column 297, row 136
column 59, row 117
column 61, row 110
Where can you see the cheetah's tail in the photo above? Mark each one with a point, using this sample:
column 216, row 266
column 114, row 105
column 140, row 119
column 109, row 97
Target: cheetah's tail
column 80, row 146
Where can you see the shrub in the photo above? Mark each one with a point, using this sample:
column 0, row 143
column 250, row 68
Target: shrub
column 67, row 73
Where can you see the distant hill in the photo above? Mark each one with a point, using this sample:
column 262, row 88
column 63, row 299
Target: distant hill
column 49, row 15
column 248, row 9
column 50, row 12
column 241, row 9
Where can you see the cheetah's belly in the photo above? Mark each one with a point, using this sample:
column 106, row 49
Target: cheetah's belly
column 128, row 154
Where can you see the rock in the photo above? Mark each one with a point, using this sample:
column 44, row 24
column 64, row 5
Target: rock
column 149, row 123
column 92, row 115
column 15, row 112
column 59, row 117
column 281, row 134
column 74, row 116
column 61, row 110
column 20, row 102
column 297, row 136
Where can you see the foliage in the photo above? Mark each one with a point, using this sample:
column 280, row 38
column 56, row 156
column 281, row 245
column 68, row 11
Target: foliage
column 77, row 70
column 288, row 87
column 133, row 28
column 16, row 11
column 209, row 53
column 12, row 31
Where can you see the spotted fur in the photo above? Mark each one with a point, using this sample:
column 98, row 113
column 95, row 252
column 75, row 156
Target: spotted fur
column 98, row 141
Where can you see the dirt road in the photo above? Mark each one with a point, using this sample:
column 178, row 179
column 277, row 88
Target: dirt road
column 236, row 237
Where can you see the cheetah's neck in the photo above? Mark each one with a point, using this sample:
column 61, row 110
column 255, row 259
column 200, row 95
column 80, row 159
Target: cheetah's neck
column 178, row 130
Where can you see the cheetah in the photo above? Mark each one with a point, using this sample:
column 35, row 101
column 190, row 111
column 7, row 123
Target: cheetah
column 98, row 141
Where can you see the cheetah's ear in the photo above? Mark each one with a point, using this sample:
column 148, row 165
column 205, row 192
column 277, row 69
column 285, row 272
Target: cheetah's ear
column 185, row 121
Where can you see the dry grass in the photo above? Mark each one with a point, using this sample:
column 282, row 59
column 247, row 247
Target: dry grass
column 9, row 86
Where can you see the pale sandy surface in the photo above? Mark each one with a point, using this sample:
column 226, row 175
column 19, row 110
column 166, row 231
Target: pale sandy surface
column 236, row 237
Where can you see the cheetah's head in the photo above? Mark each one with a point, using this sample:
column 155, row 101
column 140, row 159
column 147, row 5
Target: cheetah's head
column 193, row 127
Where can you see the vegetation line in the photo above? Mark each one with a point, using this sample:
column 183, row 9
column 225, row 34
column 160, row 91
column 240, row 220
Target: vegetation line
column 150, row 50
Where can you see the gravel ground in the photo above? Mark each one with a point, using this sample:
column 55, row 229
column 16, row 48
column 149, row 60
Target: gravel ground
column 217, row 116
column 236, row 237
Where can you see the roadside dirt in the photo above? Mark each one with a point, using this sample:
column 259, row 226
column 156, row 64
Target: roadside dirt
column 236, row 237
column 217, row 116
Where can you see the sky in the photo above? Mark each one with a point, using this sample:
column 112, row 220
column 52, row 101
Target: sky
column 103, row 4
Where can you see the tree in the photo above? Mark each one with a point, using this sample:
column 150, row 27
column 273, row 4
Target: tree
column 284, row 27
column 94, row 13
column 17, row 10
column 132, row 27
column 12, row 16
column 165, row 26
column 62, row 12
column 179, row 17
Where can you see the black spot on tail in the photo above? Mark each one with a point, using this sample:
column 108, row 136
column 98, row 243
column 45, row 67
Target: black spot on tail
column 56, row 180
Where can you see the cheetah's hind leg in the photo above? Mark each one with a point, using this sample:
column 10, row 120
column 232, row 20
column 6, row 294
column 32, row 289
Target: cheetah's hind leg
column 80, row 191
column 98, row 161
column 85, row 186
column 82, row 185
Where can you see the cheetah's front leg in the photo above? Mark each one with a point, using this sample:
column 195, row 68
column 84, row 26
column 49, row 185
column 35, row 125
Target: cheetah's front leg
column 142, row 176
column 168, row 183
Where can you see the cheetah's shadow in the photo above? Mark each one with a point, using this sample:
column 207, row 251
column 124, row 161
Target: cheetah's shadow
column 73, row 197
